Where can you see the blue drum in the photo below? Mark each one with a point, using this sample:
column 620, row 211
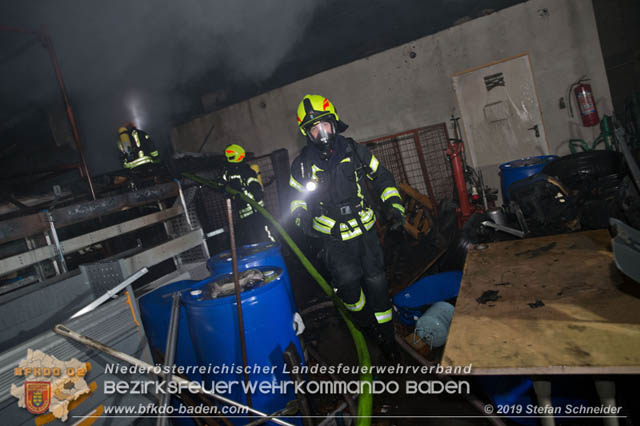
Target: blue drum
column 413, row 301
column 268, row 318
column 520, row 169
column 252, row 256
column 155, row 310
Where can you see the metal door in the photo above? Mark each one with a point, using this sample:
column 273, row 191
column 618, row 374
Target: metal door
column 500, row 112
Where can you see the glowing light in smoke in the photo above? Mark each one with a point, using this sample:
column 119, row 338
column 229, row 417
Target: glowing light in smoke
column 134, row 104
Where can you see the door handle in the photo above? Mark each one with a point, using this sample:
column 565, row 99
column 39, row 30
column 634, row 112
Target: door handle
column 535, row 129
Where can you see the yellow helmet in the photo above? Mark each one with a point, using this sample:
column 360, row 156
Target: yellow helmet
column 234, row 153
column 312, row 108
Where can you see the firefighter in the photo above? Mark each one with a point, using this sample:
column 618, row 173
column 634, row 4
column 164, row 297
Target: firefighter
column 252, row 227
column 331, row 203
column 136, row 147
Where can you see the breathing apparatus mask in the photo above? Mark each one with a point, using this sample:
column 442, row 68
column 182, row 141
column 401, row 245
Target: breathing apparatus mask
column 322, row 134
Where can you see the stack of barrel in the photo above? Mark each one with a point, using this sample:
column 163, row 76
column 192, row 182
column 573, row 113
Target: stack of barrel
column 208, row 333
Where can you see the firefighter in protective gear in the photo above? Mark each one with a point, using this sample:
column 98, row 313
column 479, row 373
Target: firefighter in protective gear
column 331, row 203
column 252, row 227
column 136, row 147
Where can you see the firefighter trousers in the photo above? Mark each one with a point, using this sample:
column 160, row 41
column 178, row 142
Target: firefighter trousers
column 357, row 271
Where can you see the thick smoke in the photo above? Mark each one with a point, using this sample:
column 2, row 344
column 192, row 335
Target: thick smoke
column 128, row 60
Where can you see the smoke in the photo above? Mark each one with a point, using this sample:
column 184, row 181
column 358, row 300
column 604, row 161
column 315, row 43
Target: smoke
column 126, row 60
column 156, row 44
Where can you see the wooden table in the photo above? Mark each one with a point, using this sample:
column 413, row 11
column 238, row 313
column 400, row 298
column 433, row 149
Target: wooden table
column 589, row 324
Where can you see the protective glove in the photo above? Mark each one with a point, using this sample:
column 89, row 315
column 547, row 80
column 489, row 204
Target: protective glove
column 305, row 222
column 395, row 214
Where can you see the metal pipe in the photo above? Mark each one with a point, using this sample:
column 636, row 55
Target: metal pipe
column 56, row 241
column 454, row 151
column 66, row 332
column 46, row 41
column 236, row 284
column 170, row 352
column 184, row 204
column 518, row 233
column 53, row 261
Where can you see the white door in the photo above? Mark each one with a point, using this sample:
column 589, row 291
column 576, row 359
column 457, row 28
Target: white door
column 500, row 114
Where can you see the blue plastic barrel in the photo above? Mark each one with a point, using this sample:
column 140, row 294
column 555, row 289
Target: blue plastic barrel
column 519, row 169
column 269, row 330
column 252, row 256
column 155, row 310
column 411, row 302
column 249, row 256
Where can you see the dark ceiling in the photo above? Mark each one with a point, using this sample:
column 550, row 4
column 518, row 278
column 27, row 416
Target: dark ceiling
column 151, row 61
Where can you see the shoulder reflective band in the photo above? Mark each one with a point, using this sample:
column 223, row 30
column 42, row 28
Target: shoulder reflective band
column 346, row 160
column 295, row 184
column 356, row 307
column 315, row 169
column 373, row 164
column 385, row 316
column 389, row 192
column 136, row 139
column 398, row 206
column 296, row 204
column 252, row 179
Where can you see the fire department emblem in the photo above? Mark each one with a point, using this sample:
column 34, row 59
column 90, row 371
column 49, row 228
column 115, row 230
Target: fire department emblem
column 37, row 396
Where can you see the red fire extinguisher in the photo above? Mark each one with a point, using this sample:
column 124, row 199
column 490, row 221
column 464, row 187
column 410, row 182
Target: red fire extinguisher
column 586, row 104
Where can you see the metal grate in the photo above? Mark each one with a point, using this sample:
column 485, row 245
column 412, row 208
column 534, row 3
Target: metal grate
column 418, row 157
column 179, row 226
column 433, row 142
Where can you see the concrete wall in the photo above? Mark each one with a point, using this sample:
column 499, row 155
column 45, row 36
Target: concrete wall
column 391, row 92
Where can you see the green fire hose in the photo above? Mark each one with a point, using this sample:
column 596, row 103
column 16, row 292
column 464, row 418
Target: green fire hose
column 365, row 399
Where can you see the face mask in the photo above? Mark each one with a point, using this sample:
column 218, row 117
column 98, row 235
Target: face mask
column 322, row 135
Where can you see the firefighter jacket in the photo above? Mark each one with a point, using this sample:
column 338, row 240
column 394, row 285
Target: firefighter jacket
column 243, row 178
column 136, row 148
column 333, row 192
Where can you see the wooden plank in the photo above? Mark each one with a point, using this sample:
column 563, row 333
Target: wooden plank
column 164, row 251
column 77, row 243
column 590, row 320
column 22, row 260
